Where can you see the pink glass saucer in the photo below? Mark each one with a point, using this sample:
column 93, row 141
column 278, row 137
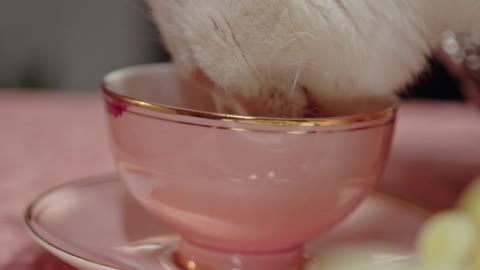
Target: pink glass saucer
column 94, row 224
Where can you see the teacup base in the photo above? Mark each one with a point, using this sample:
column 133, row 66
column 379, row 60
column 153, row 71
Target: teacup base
column 190, row 256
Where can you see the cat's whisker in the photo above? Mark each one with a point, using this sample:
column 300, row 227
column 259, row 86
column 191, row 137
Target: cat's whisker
column 293, row 88
column 295, row 80
column 290, row 39
column 313, row 67
column 283, row 46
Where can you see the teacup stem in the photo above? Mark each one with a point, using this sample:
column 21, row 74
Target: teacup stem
column 193, row 257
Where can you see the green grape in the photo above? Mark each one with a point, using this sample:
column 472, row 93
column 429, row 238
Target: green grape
column 470, row 202
column 364, row 257
column 447, row 238
column 474, row 263
column 444, row 267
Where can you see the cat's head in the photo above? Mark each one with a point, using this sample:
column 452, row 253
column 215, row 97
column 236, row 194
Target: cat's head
column 295, row 58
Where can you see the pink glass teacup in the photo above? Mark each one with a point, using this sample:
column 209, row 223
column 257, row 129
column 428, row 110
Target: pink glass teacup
column 243, row 192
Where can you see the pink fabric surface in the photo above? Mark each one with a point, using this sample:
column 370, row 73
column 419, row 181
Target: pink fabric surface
column 50, row 138
column 436, row 152
column 45, row 139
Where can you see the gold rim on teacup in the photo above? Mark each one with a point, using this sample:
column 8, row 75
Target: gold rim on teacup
column 385, row 113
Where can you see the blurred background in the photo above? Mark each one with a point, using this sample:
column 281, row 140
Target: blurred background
column 71, row 44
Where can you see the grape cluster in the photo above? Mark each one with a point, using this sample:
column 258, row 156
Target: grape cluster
column 450, row 240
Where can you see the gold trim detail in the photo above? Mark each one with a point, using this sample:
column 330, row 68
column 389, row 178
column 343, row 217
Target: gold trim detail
column 298, row 122
column 292, row 132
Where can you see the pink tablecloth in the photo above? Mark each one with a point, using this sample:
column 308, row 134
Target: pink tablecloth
column 45, row 139
column 50, row 138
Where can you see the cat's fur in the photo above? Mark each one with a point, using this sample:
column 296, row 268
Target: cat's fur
column 287, row 57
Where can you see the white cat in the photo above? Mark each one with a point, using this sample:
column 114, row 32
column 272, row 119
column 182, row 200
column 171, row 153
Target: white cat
column 297, row 58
